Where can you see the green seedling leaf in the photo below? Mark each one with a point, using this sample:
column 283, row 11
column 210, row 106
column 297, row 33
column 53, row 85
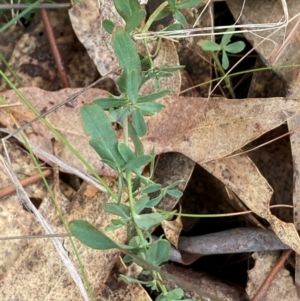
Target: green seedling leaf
column 92, row 237
column 164, row 13
column 225, row 60
column 153, row 202
column 138, row 122
column 151, row 188
column 158, row 252
column 136, row 184
column 138, row 145
column 180, row 18
column 172, row 3
column 108, row 103
column 172, row 27
column 146, row 221
column 113, row 165
column 108, row 26
column 235, row 47
column 152, row 164
column 117, row 209
column 173, row 295
column 227, row 37
column 116, row 224
column 188, row 4
column 209, row 46
column 141, row 204
column 135, row 20
column 137, row 163
column 176, row 183
column 175, row 193
column 127, row 8
column 150, row 108
column 126, row 152
column 122, row 114
column 153, row 96
column 128, row 57
column 103, row 138
column 171, row 69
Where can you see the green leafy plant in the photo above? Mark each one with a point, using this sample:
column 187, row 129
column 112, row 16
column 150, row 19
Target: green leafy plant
column 173, row 7
column 127, row 157
column 224, row 47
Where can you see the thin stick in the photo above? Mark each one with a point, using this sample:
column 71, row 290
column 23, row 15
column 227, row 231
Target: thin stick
column 267, row 282
column 25, row 182
column 54, row 49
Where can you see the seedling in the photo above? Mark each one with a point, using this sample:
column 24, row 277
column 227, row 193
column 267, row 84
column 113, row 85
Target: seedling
column 127, row 157
column 226, row 47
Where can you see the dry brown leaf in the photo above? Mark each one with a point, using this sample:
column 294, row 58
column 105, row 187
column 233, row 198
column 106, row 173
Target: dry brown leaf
column 280, row 48
column 86, row 20
column 48, row 276
column 172, row 230
column 200, row 129
column 282, row 287
column 241, row 175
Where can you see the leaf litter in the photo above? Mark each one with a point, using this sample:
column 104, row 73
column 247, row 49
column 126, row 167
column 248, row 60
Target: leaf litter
column 215, row 122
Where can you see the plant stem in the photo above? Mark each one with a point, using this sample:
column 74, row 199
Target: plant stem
column 226, row 78
column 153, row 16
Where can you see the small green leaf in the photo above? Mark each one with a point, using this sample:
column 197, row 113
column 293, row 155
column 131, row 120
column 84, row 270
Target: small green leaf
column 171, row 69
column 153, row 96
column 122, row 114
column 175, row 193
column 227, row 37
column 209, row 46
column 225, row 60
column 139, row 148
column 158, row 252
column 108, row 26
column 150, row 108
column 136, row 184
column 153, row 202
column 172, row 3
column 176, row 183
column 151, row 188
column 116, row 224
column 146, row 221
column 136, row 163
column 92, row 237
column 138, row 122
column 127, row 8
column 164, row 13
column 141, row 204
column 180, row 18
column 135, row 20
column 188, row 4
column 108, row 103
column 128, row 57
column 103, row 138
column 173, row 295
column 117, row 209
column 126, row 152
column 235, row 47
column 172, row 27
